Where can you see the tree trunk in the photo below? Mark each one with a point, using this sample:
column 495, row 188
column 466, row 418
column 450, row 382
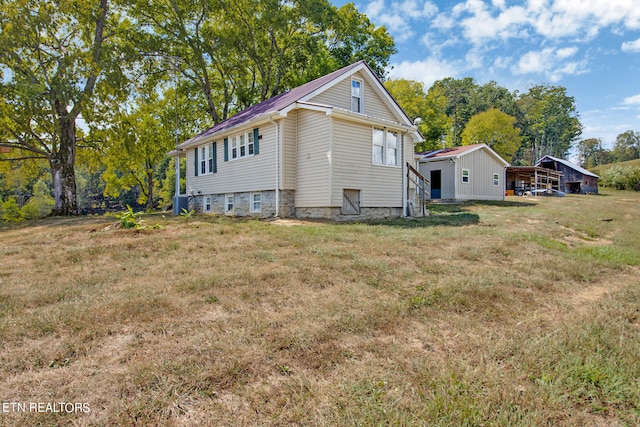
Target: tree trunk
column 63, row 170
column 149, row 188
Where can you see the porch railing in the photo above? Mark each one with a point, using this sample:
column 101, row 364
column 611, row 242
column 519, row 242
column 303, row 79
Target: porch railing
column 415, row 177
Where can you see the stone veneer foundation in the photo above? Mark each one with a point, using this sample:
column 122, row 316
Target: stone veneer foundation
column 287, row 208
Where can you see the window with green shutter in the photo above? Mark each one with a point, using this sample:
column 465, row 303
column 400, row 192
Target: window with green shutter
column 195, row 162
column 242, row 145
column 205, row 159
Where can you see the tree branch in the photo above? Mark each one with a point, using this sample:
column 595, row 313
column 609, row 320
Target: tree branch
column 97, row 57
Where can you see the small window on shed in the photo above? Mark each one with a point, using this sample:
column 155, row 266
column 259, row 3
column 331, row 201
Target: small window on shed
column 465, row 176
column 496, row 179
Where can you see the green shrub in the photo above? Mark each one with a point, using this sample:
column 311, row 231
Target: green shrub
column 621, row 178
column 38, row 207
column 11, row 211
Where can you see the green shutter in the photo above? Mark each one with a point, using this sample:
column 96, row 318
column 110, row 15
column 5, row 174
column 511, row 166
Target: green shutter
column 226, row 149
column 256, row 147
column 214, row 147
column 195, row 161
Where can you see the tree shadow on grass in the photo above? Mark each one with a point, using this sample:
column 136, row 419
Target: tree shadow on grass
column 453, row 219
column 450, row 214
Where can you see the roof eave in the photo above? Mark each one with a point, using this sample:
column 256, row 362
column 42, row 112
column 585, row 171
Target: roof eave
column 254, row 121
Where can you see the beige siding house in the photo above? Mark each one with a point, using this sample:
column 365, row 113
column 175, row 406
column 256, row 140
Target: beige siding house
column 471, row 172
column 338, row 146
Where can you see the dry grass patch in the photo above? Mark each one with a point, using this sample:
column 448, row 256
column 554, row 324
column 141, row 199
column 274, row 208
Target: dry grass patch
column 515, row 313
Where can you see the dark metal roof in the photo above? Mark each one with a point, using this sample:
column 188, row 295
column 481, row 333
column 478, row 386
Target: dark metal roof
column 568, row 164
column 277, row 103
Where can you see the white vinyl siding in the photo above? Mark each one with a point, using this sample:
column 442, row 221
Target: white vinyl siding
column 254, row 173
column 314, row 159
column 379, row 186
column 339, row 96
column 289, row 148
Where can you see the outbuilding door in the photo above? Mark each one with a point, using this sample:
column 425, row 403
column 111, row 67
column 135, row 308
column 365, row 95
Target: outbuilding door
column 436, row 184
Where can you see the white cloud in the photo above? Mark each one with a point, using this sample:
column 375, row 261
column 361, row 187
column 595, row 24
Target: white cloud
column 442, row 21
column 501, row 63
column 395, row 18
column 567, row 52
column 474, row 59
column 485, row 20
column 632, row 100
column 426, row 71
column 551, row 63
column 435, row 44
column 498, row 3
column 534, row 62
column 631, row 47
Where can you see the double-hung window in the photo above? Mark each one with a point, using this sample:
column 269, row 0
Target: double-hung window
column 496, row 179
column 386, row 147
column 356, row 96
column 234, row 147
column 242, row 145
column 205, row 159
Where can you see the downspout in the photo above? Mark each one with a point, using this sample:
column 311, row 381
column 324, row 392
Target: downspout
column 455, row 178
column 277, row 166
column 405, row 181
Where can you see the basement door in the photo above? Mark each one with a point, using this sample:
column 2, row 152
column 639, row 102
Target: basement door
column 350, row 202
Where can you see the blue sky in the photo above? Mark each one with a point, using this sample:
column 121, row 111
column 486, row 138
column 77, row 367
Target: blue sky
column 591, row 47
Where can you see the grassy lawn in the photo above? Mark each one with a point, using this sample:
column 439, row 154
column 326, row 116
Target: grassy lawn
column 525, row 312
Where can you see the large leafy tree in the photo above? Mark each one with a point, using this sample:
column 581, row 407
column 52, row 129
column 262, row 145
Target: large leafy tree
column 451, row 103
column 353, row 37
column 52, row 56
column 234, row 53
column 591, row 153
column 627, row 146
column 134, row 149
column 459, row 108
column 425, row 109
column 496, row 129
column 549, row 122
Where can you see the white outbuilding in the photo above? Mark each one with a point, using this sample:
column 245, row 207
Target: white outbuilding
column 470, row 172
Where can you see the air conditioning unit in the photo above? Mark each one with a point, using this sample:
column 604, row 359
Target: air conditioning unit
column 179, row 203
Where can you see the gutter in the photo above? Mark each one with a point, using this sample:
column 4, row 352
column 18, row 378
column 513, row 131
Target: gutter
column 256, row 121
